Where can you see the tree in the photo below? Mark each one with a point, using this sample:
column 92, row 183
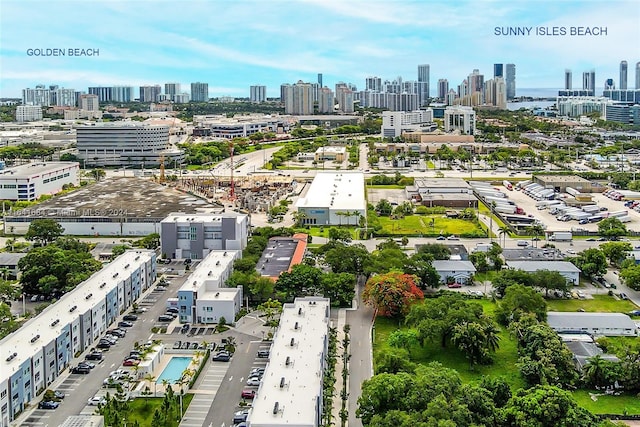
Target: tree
column 150, row 241
column 98, row 174
column 504, row 230
column 616, row 252
column 262, row 288
column 499, row 388
column 510, row 277
column 601, row 373
column 384, row 208
column 271, row 308
column 612, row 228
column 8, row 323
column 592, row 262
column 391, row 294
column 348, row 259
column 550, row 280
column 420, row 266
column 44, row 231
column 535, row 230
column 479, row 260
column 518, row 300
column 546, row 406
column 339, row 288
column 301, row 280
column 475, row 341
column 436, row 250
column 631, row 277
column 393, row 360
column 341, row 234
column 403, row 338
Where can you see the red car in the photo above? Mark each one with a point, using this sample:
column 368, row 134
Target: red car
column 454, row 285
column 131, row 362
column 248, row 394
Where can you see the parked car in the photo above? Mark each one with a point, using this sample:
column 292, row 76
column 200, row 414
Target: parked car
column 165, row 318
column 58, row 394
column 253, row 381
column 87, row 364
column 248, row 394
column 80, row 370
column 441, row 238
column 48, row 404
column 95, row 401
column 104, row 345
column 255, row 371
column 131, row 362
column 240, row 416
column 635, row 313
column 120, row 333
column 454, row 285
column 623, row 295
column 177, row 344
column 94, row 355
column 263, row 353
column 173, row 310
column 130, row 317
column 221, row 357
column 125, row 324
column 194, row 346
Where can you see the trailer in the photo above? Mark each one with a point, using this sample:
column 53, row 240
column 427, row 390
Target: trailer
column 573, row 192
column 520, row 185
column 625, row 219
column 502, row 200
column 591, row 209
column 507, row 185
column 561, row 236
column 547, row 193
column 554, row 210
column 506, row 209
column 579, row 216
column 485, row 193
column 618, row 214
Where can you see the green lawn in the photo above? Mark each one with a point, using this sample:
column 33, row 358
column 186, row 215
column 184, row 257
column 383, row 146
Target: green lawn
column 422, row 224
column 629, row 404
column 505, row 358
column 617, row 345
column 599, row 303
column 142, row 409
column 324, row 231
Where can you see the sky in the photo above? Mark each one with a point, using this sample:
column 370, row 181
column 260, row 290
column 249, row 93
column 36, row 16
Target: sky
column 233, row 44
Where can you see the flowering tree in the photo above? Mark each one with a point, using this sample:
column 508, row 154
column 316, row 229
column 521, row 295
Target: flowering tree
column 392, row 293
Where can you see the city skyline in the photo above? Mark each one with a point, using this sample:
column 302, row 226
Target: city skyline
column 228, row 48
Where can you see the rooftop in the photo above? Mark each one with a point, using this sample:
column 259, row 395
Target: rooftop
column 292, row 381
column 336, row 191
column 453, row 265
column 119, row 197
column 436, row 183
column 222, row 294
column 48, row 325
column 331, row 149
column 36, row 168
column 9, row 258
column 561, row 178
column 202, row 217
column 562, row 266
column 532, row 254
column 281, row 254
column 576, row 321
column 209, row 270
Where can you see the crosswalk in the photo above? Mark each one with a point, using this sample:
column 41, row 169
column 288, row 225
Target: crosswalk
column 40, row 417
column 204, row 395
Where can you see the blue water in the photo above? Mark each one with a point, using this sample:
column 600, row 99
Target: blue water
column 174, row 369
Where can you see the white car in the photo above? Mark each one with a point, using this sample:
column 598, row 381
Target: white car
column 253, row 381
column 571, row 251
column 95, row 401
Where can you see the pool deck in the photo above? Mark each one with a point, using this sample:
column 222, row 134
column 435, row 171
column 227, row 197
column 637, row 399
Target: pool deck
column 159, row 387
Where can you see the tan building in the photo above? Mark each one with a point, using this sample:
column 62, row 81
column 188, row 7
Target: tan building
column 332, row 153
column 560, row 183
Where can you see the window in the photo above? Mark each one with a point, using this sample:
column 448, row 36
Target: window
column 193, row 233
column 3, row 394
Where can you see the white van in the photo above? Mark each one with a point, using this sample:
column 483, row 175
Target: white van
column 522, row 243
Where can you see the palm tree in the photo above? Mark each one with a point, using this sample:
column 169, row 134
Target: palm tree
column 503, row 231
column 149, row 377
column 595, row 373
column 492, row 339
column 535, row 230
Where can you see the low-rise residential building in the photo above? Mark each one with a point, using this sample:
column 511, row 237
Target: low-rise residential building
column 597, row 324
column 203, row 298
column 454, row 271
column 584, row 348
column 566, row 269
column 30, row 181
column 193, row 236
column 291, row 390
column 9, row 263
column 36, row 354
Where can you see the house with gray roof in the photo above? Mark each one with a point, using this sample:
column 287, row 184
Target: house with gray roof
column 457, row 271
column 567, row 269
column 597, row 324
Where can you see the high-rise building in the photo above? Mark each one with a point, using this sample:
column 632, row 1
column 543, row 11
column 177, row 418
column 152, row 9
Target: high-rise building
column 89, row 102
column 122, row 93
column 443, row 88
column 150, row 93
column 637, row 75
column 460, row 119
column 257, row 93
column 496, row 92
column 344, row 97
column 199, row 92
column 476, row 81
column 171, row 90
column 423, row 84
column 325, row 100
column 38, row 96
column 451, row 97
column 298, row 98
column 510, row 80
column 104, row 93
column 609, row 85
column 320, row 80
column 373, row 83
column 623, row 75
column 568, row 80
column 589, row 81
column 498, row 70
column 65, row 97
column 28, row 113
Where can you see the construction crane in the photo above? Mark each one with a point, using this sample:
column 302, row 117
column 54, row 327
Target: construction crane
column 232, row 194
column 162, row 178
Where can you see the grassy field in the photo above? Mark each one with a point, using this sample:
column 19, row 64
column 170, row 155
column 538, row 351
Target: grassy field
column 505, row 358
column 599, row 303
column 624, row 404
column 422, row 224
column 142, row 409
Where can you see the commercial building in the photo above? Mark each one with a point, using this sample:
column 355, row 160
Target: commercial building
column 257, row 93
column 332, row 153
column 203, row 297
column 28, row 113
column 599, row 324
column 193, row 236
column 326, row 100
column 622, row 113
column 443, row 89
column 236, row 127
column 460, row 119
column 566, row 269
column 454, row 271
column 559, row 183
column 448, row 192
column 628, row 96
column 30, row 181
column 281, row 254
column 122, row 94
column 89, row 102
column 334, row 198
column 589, row 82
column 394, row 123
column 291, row 390
column 130, row 144
column 199, row 92
column 423, row 84
column 37, row 353
column 576, row 106
column 568, row 80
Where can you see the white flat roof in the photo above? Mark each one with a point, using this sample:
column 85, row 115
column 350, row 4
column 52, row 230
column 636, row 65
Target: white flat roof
column 560, row 266
column 209, row 269
column 201, row 217
column 58, row 314
column 37, row 168
column 331, row 149
column 303, row 375
column 222, row 294
column 335, row 191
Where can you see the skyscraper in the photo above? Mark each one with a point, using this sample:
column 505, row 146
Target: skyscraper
column 297, row 98
column 568, row 80
column 623, row 75
column 104, row 93
column 122, row 93
column 325, row 100
column 423, row 84
column 374, row 84
column 443, row 88
column 200, row 92
column 257, row 93
column 637, row 75
column 498, row 70
column 589, row 81
column 476, row 81
column 150, row 93
column 320, row 80
column 171, row 90
column 510, row 80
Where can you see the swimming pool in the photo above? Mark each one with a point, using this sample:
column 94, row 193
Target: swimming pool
column 174, row 369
